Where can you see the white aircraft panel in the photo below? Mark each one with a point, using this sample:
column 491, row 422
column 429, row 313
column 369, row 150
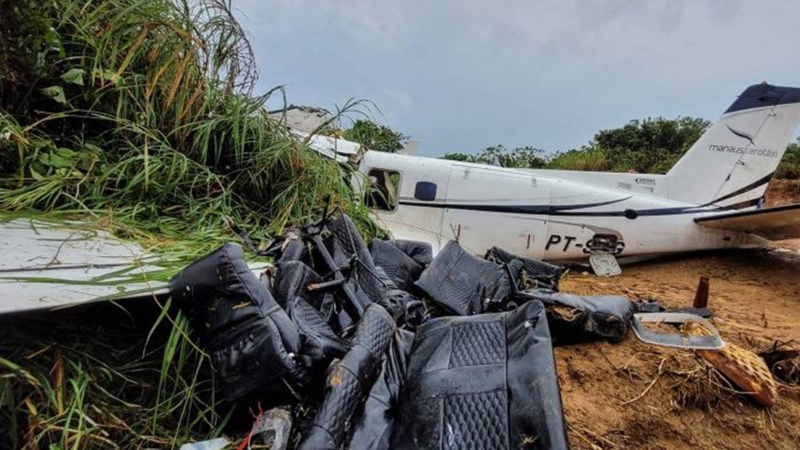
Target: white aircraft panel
column 47, row 265
column 780, row 222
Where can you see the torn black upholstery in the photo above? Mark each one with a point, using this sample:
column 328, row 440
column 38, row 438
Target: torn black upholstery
column 252, row 341
column 420, row 252
column 373, row 420
column 401, row 268
column 573, row 318
column 350, row 380
column 528, row 273
column 320, row 344
column 312, row 311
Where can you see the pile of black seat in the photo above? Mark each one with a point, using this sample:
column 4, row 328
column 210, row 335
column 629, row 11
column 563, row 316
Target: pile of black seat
column 391, row 347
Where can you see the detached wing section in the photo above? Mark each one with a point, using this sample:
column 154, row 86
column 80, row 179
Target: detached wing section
column 779, row 222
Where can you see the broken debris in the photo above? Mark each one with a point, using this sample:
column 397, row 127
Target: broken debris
column 358, row 337
column 709, row 339
column 783, row 361
column 573, row 318
column 463, row 283
column 252, row 341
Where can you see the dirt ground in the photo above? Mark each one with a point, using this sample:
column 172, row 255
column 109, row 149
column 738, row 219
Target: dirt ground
column 633, row 395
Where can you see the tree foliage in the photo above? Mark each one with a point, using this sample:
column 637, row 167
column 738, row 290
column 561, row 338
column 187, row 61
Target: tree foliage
column 376, row 137
column 789, row 167
column 521, row 157
column 586, row 158
column 652, row 145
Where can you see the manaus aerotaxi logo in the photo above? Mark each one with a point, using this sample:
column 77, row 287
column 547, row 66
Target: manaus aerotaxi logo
column 748, row 150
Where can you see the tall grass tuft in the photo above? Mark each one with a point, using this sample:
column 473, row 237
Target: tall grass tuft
column 585, row 159
column 112, row 382
column 144, row 108
column 140, row 115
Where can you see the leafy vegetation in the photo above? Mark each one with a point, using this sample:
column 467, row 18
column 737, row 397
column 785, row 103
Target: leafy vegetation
column 140, row 115
column 520, row 157
column 651, row 145
column 375, row 136
column 144, row 109
column 111, row 383
column 587, row 158
column 789, row 167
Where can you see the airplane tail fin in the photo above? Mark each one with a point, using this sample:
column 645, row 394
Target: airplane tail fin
column 733, row 161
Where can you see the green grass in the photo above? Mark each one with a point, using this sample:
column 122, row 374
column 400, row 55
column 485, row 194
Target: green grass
column 105, row 384
column 156, row 124
column 120, row 373
column 138, row 117
column 585, row 159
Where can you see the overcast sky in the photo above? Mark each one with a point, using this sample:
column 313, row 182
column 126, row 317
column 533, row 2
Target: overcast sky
column 463, row 75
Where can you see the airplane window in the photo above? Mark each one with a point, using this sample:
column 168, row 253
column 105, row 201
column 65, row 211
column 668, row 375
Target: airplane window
column 425, row 190
column 383, row 189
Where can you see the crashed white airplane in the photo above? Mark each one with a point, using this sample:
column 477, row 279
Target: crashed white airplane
column 711, row 199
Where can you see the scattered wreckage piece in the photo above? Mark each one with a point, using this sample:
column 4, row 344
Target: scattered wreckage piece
column 312, row 311
column 463, row 283
column 746, row 370
column 574, row 318
column 654, row 306
column 701, row 296
column 604, row 264
column 52, row 264
column 743, row 367
column 532, row 274
column 220, row 443
column 49, row 265
column 273, row 428
column 253, row 344
column 681, row 339
column 350, row 380
column 783, row 361
column 400, row 267
column 485, row 381
column 340, row 150
column 420, row 252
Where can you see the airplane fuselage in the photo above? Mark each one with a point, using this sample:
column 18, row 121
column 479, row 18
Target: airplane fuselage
column 548, row 215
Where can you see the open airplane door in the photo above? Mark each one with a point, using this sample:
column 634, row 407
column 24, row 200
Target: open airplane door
column 776, row 223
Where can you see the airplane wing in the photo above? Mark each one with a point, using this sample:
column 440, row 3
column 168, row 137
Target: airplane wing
column 48, row 265
column 776, row 223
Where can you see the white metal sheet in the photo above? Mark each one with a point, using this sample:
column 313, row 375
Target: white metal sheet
column 776, row 223
column 46, row 265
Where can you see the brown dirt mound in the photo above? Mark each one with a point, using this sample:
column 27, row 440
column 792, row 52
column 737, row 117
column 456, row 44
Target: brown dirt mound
column 781, row 192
